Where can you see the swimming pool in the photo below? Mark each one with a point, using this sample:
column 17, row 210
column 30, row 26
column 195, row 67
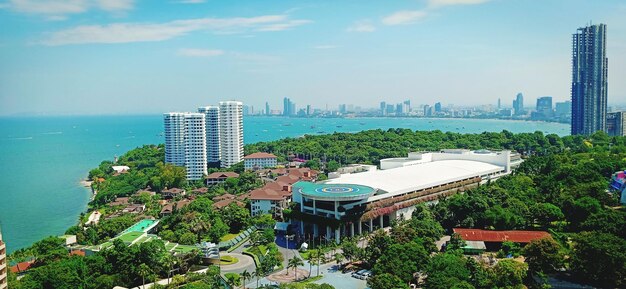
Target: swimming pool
column 144, row 225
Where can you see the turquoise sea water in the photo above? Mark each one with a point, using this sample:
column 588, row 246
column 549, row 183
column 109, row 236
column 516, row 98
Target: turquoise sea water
column 43, row 159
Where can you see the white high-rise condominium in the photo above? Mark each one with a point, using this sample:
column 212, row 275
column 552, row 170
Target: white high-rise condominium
column 185, row 142
column 212, row 121
column 4, row 266
column 231, row 132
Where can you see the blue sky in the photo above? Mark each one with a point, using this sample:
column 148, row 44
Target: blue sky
column 125, row 56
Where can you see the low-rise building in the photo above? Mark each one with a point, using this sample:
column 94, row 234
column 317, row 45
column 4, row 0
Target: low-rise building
column 275, row 196
column 355, row 203
column 258, row 161
column 173, row 192
column 492, row 240
column 220, row 177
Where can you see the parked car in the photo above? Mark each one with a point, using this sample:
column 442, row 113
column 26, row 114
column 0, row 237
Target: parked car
column 366, row 275
column 358, row 274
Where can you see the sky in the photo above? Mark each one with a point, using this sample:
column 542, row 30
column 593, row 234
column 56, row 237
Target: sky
column 141, row 57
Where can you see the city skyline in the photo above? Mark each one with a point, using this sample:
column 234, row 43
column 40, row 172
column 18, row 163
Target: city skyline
column 130, row 59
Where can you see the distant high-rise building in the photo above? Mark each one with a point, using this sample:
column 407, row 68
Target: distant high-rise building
column 308, row 110
column 399, row 110
column 3, row 264
column 616, row 123
column 212, row 128
column 518, row 104
column 185, row 142
column 231, row 133
column 499, row 104
column 342, row 108
column 383, row 108
column 289, row 107
column 407, row 104
column 390, row 109
column 246, row 110
column 589, row 80
column 544, row 106
column 427, row 110
column 563, row 110
column 438, row 107
column 267, row 109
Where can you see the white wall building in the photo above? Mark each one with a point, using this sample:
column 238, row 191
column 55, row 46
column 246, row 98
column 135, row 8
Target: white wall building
column 259, row 160
column 185, row 142
column 365, row 201
column 231, row 132
column 3, row 264
column 212, row 121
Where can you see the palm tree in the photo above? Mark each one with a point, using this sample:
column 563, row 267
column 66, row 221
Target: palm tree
column 258, row 272
column 169, row 261
column 245, row 275
column 338, row 258
column 294, row 263
column 310, row 258
column 144, row 270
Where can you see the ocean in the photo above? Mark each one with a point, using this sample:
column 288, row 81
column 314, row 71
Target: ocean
column 43, row 159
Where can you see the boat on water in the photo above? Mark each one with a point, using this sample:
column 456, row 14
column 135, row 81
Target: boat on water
column 340, row 126
column 312, row 127
column 321, row 132
column 361, row 123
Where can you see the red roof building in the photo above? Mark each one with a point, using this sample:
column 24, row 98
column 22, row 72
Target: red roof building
column 219, row 177
column 500, row 236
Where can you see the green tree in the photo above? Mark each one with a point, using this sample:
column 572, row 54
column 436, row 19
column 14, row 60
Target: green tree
column 600, row 258
column 386, row 281
column 446, row 270
column 144, row 271
column 543, row 255
column 402, row 260
column 294, row 263
column 510, row 273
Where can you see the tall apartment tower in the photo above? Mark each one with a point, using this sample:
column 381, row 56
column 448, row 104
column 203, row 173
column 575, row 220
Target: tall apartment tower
column 518, row 104
column 231, row 132
column 3, row 264
column 185, row 142
column 212, row 122
column 589, row 80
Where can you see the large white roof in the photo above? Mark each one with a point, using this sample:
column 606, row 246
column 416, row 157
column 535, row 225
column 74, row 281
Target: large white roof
column 415, row 177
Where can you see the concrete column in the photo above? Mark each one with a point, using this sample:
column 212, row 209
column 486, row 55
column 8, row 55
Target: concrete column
column 381, row 222
column 328, row 233
column 337, row 236
column 352, row 230
column 316, row 230
column 371, row 225
column 336, row 213
column 360, row 227
column 314, row 208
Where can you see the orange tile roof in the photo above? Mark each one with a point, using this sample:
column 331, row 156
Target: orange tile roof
column 260, row 155
column 500, row 236
column 226, row 196
column 266, row 194
column 224, row 203
column 22, row 266
column 77, row 253
column 222, row 175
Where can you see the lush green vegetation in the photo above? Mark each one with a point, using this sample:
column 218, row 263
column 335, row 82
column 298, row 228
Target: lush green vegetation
column 561, row 188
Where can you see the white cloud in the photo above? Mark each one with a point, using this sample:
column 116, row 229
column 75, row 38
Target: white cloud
column 404, row 17
column 144, row 32
column 60, row 9
column 439, row 3
column 361, row 26
column 325, row 46
column 191, row 52
column 190, row 1
column 116, row 5
column 283, row 26
column 47, row 7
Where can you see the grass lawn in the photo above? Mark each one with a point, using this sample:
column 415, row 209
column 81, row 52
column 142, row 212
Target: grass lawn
column 228, row 237
column 228, row 260
column 185, row 248
column 130, row 236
